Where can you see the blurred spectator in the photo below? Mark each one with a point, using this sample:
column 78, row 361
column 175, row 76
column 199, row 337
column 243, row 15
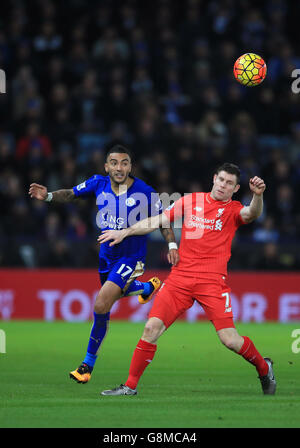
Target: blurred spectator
column 285, row 209
column 52, row 229
column 76, row 229
column 266, row 232
column 78, row 62
column 210, row 128
column 268, row 115
column 293, row 149
column 58, row 255
column 58, row 99
column 21, row 222
column 33, row 148
column 116, row 107
column 274, row 259
column 6, row 153
column 141, row 81
column 253, row 30
column 54, row 72
column 86, row 104
column 110, row 46
column 270, row 259
column 48, row 40
column 27, row 102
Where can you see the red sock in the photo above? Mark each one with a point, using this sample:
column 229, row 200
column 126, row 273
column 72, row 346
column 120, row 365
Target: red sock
column 249, row 352
column 142, row 356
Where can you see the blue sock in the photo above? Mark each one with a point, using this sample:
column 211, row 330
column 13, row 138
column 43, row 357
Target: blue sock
column 148, row 289
column 97, row 335
column 136, row 287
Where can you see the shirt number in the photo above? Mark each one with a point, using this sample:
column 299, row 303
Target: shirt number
column 227, row 302
column 122, row 267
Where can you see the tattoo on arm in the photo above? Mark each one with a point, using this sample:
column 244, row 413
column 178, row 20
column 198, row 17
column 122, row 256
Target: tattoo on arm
column 168, row 235
column 64, row 196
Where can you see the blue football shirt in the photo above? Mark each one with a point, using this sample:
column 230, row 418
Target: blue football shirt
column 117, row 212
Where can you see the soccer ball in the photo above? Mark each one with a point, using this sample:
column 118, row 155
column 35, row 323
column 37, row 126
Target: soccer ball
column 250, row 69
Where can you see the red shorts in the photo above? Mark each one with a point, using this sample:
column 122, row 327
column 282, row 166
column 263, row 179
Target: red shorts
column 178, row 293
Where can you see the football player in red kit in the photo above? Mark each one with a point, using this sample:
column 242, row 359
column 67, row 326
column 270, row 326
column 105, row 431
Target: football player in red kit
column 210, row 221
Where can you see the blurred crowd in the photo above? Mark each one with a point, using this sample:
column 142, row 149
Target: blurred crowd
column 156, row 76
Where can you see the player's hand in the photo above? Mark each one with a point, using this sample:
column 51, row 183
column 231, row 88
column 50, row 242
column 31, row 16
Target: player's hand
column 116, row 237
column 257, row 185
column 37, row 191
column 173, row 256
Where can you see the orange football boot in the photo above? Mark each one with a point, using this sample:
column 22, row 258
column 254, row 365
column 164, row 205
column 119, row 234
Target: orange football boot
column 82, row 374
column 156, row 284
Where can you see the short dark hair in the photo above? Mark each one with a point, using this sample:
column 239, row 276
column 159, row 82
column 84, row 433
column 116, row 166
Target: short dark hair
column 231, row 169
column 119, row 149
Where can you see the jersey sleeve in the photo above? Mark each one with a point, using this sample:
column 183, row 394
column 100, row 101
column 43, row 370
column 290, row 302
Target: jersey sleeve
column 154, row 205
column 176, row 210
column 88, row 187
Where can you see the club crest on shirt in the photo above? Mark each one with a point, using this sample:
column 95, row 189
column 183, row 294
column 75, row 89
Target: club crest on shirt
column 130, row 202
column 220, row 212
column 81, row 186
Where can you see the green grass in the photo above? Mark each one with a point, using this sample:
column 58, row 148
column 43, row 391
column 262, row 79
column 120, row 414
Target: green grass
column 193, row 382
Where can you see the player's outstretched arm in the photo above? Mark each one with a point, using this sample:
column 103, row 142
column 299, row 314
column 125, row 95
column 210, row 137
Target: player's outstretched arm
column 40, row 192
column 255, row 208
column 143, row 227
column 37, row 191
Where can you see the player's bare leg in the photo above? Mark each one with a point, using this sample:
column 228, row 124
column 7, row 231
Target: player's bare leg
column 243, row 346
column 231, row 339
column 142, row 357
column 106, row 297
column 153, row 329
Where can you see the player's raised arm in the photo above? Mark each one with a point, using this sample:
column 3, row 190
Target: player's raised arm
column 37, row 191
column 255, row 208
column 40, row 192
column 143, row 227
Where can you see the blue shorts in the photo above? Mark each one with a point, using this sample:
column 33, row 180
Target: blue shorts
column 123, row 272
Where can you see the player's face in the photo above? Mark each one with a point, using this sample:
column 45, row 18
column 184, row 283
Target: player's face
column 224, row 186
column 118, row 166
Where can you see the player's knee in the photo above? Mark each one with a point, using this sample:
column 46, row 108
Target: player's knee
column 229, row 340
column 153, row 329
column 100, row 308
column 106, row 297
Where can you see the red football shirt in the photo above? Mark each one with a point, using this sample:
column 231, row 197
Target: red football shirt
column 208, row 228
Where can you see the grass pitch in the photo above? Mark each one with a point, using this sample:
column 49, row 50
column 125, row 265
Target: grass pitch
column 193, row 381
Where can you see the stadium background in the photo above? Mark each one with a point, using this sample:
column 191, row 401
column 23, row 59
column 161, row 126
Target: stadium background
column 157, row 77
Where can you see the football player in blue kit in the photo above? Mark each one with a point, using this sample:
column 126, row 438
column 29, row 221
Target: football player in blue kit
column 122, row 200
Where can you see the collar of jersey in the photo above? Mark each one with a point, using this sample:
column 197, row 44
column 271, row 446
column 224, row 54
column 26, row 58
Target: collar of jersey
column 125, row 192
column 210, row 200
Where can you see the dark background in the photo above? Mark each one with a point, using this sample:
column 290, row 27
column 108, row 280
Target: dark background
column 156, row 76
